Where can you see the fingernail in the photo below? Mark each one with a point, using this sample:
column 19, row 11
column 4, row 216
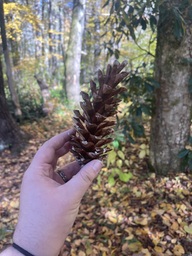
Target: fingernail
column 71, row 131
column 97, row 165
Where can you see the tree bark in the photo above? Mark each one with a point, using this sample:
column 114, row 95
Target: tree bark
column 97, row 48
column 9, row 131
column 170, row 125
column 47, row 105
column 11, row 85
column 73, row 55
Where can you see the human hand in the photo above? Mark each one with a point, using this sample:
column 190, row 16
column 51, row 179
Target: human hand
column 48, row 207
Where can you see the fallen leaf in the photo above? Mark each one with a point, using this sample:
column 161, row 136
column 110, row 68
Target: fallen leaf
column 178, row 250
column 188, row 229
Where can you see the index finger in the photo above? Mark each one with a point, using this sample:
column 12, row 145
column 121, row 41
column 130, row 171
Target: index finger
column 47, row 153
column 59, row 140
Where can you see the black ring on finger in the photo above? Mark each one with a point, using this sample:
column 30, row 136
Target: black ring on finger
column 63, row 176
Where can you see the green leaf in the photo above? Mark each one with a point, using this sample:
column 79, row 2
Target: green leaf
column 131, row 9
column 111, row 180
column 121, row 154
column 188, row 229
column 119, row 163
column 117, row 6
column 132, row 32
column 153, row 22
column 183, row 153
column 110, row 51
column 116, row 171
column 115, row 143
column 143, row 23
column 111, row 157
column 117, row 52
column 99, row 179
column 125, row 177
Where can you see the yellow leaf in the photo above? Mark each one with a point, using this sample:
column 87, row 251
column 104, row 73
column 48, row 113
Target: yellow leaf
column 81, row 253
column 142, row 154
column 143, row 146
column 112, row 219
column 127, row 162
column 183, row 207
column 178, row 250
column 141, row 221
column 146, row 252
column 135, row 247
column 14, row 204
column 186, row 192
column 173, row 241
column 175, row 226
column 112, row 216
column 158, row 249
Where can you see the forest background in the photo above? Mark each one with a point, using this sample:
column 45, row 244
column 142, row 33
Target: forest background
column 49, row 52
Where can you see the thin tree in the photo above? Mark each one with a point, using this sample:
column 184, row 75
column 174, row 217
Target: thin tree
column 73, row 54
column 97, row 47
column 11, row 84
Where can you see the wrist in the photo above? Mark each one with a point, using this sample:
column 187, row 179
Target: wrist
column 10, row 251
column 33, row 246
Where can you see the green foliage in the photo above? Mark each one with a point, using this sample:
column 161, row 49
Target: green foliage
column 128, row 17
column 116, row 161
column 57, row 93
column 135, row 21
column 29, row 97
column 31, row 106
column 139, row 104
column 129, row 20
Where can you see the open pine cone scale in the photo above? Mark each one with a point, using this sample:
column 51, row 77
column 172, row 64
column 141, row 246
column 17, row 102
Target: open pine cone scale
column 94, row 125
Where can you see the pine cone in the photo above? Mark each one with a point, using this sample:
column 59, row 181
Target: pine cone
column 94, row 126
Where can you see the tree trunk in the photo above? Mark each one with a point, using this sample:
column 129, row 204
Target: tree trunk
column 11, row 85
column 97, row 48
column 73, row 55
column 170, row 126
column 47, row 105
column 9, row 131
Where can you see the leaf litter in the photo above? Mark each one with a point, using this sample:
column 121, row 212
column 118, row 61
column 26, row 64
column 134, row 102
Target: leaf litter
column 148, row 215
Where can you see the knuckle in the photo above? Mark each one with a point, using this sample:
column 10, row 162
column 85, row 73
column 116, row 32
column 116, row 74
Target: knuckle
column 86, row 177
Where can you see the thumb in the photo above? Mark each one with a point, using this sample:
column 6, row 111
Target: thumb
column 83, row 179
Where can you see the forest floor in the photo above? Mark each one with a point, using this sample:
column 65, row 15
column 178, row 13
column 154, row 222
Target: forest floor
column 148, row 215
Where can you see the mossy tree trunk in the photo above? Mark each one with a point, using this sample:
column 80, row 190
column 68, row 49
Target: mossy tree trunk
column 73, row 54
column 170, row 126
